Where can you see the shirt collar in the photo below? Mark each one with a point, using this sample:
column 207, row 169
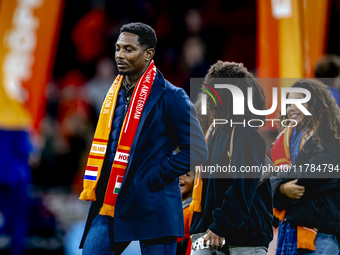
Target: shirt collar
column 128, row 91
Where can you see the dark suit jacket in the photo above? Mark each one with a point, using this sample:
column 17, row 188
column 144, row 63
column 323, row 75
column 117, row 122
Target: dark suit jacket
column 149, row 203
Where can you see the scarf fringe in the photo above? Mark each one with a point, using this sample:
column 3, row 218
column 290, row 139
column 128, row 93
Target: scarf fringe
column 306, row 244
column 195, row 206
column 108, row 210
column 306, row 238
column 279, row 214
column 88, row 195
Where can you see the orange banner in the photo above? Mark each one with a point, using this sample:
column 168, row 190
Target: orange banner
column 316, row 21
column 28, row 36
column 291, row 37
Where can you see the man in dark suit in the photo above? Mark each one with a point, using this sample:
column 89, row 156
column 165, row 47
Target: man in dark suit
column 148, row 207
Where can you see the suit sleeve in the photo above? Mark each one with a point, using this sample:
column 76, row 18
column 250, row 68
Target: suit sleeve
column 189, row 137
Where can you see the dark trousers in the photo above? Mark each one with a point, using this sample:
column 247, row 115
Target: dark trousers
column 100, row 241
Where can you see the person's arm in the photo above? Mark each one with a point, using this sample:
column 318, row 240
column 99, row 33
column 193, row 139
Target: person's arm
column 308, row 170
column 189, row 137
column 292, row 190
column 314, row 174
column 310, row 181
column 215, row 241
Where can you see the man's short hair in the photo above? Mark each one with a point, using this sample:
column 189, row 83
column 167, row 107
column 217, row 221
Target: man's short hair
column 146, row 34
column 327, row 68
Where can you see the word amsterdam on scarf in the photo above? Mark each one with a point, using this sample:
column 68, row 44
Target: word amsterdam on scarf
column 126, row 138
column 142, row 97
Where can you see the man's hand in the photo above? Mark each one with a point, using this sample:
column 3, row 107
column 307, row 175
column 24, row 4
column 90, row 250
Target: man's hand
column 215, row 241
column 292, row 190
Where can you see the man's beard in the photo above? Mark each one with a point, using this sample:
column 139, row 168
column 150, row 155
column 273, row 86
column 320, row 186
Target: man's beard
column 127, row 73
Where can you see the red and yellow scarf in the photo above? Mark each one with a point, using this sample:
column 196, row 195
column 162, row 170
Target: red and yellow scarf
column 281, row 157
column 127, row 135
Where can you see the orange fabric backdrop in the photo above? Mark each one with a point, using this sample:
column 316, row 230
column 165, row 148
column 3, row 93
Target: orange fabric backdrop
column 28, row 36
column 291, row 37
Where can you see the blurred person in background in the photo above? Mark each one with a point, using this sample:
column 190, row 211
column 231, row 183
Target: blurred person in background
column 327, row 70
column 97, row 87
column 232, row 206
column 15, row 184
column 131, row 176
column 307, row 199
column 187, row 56
column 193, row 64
column 67, row 132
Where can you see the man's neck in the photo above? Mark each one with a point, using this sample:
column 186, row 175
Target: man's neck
column 132, row 79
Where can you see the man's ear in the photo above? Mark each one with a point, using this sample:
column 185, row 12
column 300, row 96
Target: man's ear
column 149, row 53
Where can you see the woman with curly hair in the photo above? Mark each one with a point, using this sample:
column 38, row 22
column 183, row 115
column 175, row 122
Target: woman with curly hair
column 232, row 205
column 307, row 197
